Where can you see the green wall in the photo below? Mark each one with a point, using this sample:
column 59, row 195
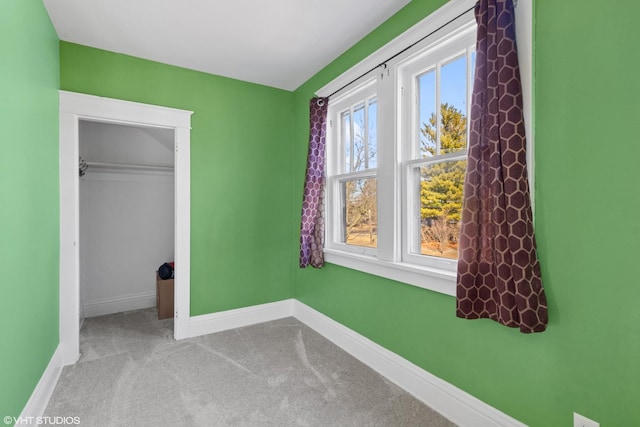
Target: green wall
column 248, row 154
column 587, row 105
column 29, row 218
column 241, row 167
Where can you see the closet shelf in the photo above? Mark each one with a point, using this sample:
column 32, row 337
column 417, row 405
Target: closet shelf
column 149, row 167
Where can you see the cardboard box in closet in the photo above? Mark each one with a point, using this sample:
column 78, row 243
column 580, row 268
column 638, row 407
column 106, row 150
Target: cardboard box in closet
column 164, row 297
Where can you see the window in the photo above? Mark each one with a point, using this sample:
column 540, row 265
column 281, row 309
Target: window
column 396, row 154
column 353, row 171
column 436, row 89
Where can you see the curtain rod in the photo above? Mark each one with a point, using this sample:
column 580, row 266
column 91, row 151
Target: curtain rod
column 384, row 63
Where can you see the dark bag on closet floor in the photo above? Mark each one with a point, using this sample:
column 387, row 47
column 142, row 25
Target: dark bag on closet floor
column 165, row 271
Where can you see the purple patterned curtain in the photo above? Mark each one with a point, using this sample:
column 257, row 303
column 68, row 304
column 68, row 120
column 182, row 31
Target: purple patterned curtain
column 498, row 269
column 312, row 226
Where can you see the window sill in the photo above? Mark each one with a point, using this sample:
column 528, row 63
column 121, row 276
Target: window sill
column 436, row 280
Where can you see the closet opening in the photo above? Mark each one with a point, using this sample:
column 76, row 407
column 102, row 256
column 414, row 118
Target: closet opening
column 77, row 113
column 127, row 202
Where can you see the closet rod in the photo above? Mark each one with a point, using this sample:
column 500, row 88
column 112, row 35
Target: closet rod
column 129, row 166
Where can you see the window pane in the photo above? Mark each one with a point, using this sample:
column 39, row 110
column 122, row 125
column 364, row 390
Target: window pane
column 453, row 106
column 372, row 148
column 346, row 140
column 441, row 187
column 359, row 139
column 427, row 113
column 360, row 212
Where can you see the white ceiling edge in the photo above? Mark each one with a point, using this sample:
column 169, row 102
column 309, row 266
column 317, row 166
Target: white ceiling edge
column 281, row 43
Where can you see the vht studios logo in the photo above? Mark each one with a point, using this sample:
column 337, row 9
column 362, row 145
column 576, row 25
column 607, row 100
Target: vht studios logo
column 41, row 420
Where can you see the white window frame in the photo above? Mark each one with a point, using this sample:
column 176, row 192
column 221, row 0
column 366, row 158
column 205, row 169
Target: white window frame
column 335, row 159
column 427, row 57
column 388, row 260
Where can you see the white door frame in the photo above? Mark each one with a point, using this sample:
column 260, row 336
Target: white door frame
column 73, row 108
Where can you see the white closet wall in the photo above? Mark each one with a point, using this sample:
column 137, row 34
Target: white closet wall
column 126, row 216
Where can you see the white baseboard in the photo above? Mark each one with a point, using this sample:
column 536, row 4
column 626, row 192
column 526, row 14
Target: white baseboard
column 39, row 399
column 453, row 403
column 100, row 307
column 231, row 319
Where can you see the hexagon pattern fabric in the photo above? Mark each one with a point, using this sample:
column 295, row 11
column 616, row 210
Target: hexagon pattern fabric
column 498, row 269
column 312, row 226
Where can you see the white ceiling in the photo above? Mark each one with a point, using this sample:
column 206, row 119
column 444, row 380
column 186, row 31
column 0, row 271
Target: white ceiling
column 278, row 43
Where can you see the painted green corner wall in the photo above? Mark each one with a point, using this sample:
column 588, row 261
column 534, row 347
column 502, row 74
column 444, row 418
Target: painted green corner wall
column 29, row 218
column 241, row 167
column 587, row 106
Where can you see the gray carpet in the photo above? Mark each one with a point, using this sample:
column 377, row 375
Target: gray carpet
column 280, row 373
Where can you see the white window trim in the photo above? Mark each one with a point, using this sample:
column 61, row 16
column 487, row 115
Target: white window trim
column 365, row 90
column 438, row 18
column 408, row 66
column 388, row 263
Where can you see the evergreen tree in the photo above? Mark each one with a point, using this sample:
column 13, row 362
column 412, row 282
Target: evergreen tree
column 441, row 184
